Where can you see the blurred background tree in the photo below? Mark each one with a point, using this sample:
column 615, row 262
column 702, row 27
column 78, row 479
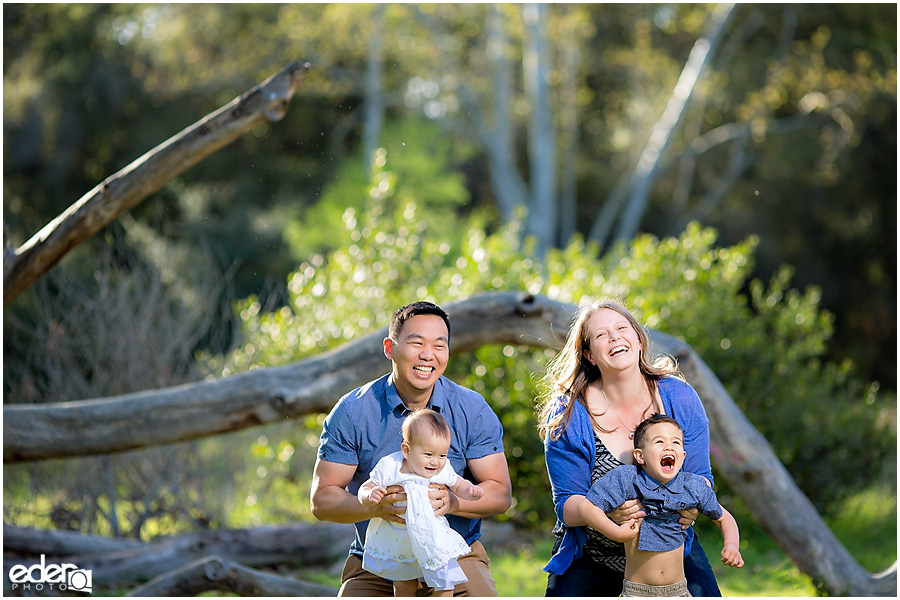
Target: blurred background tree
column 790, row 135
column 486, row 123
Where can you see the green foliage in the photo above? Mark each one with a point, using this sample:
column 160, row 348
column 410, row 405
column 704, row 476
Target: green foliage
column 424, row 172
column 765, row 342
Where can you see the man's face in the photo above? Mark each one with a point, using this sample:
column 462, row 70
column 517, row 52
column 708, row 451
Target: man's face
column 426, row 457
column 419, row 354
column 662, row 454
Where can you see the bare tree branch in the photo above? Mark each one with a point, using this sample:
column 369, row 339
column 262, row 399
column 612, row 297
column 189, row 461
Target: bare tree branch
column 127, row 188
column 122, row 563
column 217, row 573
column 661, row 135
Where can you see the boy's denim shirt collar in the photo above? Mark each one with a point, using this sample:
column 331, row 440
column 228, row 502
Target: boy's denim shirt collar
column 675, row 485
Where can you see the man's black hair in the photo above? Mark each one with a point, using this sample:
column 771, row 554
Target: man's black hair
column 411, row 310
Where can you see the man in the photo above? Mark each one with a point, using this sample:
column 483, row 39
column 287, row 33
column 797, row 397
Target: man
column 365, row 425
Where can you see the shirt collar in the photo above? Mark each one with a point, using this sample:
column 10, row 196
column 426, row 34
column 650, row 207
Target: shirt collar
column 676, row 485
column 436, row 403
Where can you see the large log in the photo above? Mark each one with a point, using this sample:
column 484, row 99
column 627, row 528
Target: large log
column 739, row 451
column 87, row 427
column 217, row 573
column 127, row 188
column 743, row 456
column 302, row 544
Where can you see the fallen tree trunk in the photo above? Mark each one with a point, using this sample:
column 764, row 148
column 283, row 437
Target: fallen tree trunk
column 739, row 451
column 33, row 542
column 127, row 188
column 302, row 544
column 743, row 456
column 87, row 427
column 217, row 573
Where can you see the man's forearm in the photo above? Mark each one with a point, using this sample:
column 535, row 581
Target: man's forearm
column 337, row 505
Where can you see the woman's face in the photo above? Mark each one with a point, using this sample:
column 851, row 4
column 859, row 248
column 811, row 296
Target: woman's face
column 614, row 344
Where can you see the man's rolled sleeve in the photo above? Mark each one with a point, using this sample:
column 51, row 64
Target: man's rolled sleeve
column 334, row 443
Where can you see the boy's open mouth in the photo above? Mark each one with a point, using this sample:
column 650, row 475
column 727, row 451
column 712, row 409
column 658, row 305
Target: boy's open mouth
column 667, row 462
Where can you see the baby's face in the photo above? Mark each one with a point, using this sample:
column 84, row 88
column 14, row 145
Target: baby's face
column 662, row 454
column 426, row 457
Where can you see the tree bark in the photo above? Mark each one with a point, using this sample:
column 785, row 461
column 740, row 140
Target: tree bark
column 127, row 188
column 661, row 135
column 217, row 573
column 125, row 562
column 743, row 456
column 373, row 100
column 120, row 423
column 738, row 450
column 543, row 211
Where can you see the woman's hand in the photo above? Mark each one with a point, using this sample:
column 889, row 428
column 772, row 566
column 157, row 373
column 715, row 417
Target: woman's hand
column 688, row 517
column 387, row 508
column 440, row 497
column 629, row 510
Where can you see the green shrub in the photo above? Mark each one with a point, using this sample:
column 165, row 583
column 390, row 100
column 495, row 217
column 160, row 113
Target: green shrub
column 765, row 342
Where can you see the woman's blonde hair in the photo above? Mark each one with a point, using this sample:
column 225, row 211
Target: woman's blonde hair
column 570, row 373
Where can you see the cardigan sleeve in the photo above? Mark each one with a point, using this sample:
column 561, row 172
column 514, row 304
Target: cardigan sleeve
column 569, row 462
column 683, row 404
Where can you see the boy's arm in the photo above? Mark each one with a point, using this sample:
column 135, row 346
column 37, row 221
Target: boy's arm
column 731, row 555
column 596, row 519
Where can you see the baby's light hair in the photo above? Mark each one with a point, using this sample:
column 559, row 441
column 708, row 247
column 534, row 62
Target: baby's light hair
column 425, row 421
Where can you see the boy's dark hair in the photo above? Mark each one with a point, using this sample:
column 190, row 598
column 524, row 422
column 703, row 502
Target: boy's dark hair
column 652, row 420
column 426, row 419
column 411, row 310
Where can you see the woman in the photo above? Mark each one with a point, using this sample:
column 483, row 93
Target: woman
column 601, row 387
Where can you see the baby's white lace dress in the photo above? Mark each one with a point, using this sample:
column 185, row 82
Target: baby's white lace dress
column 400, row 553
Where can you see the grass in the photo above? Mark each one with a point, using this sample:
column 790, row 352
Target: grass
column 867, row 526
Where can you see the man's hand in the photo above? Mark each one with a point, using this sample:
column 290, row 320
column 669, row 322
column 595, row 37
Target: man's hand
column 387, row 509
column 440, row 496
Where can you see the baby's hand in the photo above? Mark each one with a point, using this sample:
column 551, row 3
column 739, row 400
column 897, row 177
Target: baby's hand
column 626, row 531
column 475, row 492
column 731, row 556
column 374, row 496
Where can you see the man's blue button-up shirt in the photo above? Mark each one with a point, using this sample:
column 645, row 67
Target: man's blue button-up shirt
column 364, row 426
column 660, row 530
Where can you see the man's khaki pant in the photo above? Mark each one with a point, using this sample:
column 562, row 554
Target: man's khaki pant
column 356, row 581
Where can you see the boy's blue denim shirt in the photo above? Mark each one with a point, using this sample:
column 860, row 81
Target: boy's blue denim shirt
column 660, row 529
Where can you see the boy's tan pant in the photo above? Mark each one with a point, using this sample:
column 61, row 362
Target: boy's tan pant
column 356, row 581
column 631, row 588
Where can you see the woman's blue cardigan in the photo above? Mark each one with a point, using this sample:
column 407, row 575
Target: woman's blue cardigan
column 570, row 459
